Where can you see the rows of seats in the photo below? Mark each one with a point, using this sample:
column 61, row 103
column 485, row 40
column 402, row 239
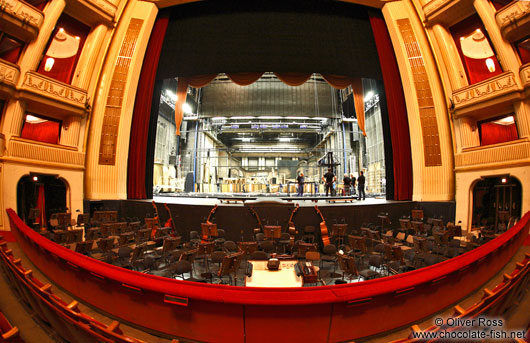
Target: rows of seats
column 495, row 303
column 8, row 332
column 64, row 318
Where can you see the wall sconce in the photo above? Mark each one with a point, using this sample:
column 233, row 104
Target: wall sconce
column 49, row 64
column 490, row 64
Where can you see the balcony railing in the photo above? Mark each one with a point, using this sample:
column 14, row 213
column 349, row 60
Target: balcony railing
column 514, row 20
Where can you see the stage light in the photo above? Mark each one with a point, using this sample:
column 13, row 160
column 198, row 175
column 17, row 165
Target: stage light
column 284, row 139
column 171, row 95
column 503, row 180
column 368, row 96
column 186, row 108
column 35, row 178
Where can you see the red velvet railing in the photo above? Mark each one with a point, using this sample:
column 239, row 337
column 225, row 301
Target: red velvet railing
column 219, row 313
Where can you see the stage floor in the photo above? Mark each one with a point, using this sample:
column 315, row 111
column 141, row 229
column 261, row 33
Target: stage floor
column 211, row 199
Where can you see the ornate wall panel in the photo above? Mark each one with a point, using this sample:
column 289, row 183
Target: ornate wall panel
column 111, row 119
column 429, row 125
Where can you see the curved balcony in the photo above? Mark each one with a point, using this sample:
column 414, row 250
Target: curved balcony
column 94, row 12
column 221, row 313
column 20, row 19
column 52, row 96
column 514, row 20
column 487, row 97
column 447, row 12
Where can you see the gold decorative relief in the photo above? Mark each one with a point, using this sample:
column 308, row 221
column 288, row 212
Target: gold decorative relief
column 485, row 90
column 42, row 85
column 8, row 73
column 113, row 107
column 429, row 124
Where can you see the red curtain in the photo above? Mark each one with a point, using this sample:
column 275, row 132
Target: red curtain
column 47, row 132
column 41, row 205
column 358, row 102
column 244, row 79
column 142, row 112
column 478, row 70
column 492, row 133
column 397, row 111
column 293, row 79
column 196, row 81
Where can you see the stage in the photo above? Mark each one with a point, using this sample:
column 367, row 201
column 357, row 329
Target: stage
column 235, row 213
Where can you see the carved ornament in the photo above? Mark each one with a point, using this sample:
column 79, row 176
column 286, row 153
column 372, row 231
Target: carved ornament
column 55, row 89
column 485, row 90
column 23, row 12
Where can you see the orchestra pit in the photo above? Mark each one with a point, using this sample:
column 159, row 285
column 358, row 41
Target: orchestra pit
column 275, row 171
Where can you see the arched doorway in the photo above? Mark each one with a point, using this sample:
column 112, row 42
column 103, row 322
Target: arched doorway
column 40, row 191
column 496, row 200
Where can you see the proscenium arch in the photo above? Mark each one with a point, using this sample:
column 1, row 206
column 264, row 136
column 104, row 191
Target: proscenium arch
column 347, row 49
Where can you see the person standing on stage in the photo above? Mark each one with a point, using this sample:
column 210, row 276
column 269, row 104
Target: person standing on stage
column 353, row 184
column 347, row 184
column 329, row 178
column 300, row 180
column 360, row 186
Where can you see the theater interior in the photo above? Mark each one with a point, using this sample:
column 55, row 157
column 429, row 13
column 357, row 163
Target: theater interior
column 264, row 171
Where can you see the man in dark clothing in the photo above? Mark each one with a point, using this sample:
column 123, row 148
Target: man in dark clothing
column 300, row 180
column 346, row 184
column 329, row 178
column 360, row 186
column 353, row 184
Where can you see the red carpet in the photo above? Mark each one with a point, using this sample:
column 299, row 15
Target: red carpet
column 8, row 236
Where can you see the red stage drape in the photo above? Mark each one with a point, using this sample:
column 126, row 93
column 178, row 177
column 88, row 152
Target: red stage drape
column 293, row 79
column 41, row 205
column 492, row 133
column 397, row 111
column 244, row 79
column 47, row 132
column 142, row 112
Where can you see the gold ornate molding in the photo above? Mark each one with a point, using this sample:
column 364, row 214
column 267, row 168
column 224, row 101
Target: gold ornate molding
column 525, row 75
column 31, row 150
column 514, row 20
column 494, row 91
column 9, row 74
column 20, row 19
column 499, row 154
column 54, row 93
column 94, row 11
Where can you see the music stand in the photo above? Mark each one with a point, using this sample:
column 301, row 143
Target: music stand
column 417, row 214
column 209, row 229
column 272, row 231
column 339, row 231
